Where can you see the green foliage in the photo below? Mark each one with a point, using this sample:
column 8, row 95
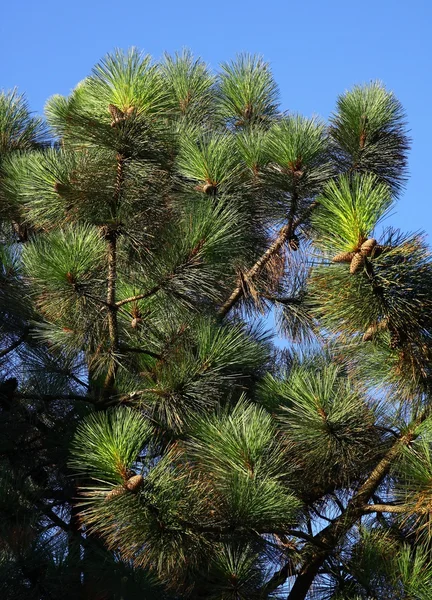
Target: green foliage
column 211, row 160
column 117, row 107
column 154, row 440
column 369, row 134
column 64, row 265
column 190, row 85
column 245, row 464
column 248, row 93
column 20, row 130
column 327, row 424
column 383, row 568
column 386, row 304
column 349, row 210
column 297, row 148
column 235, row 573
column 210, row 361
column 107, row 444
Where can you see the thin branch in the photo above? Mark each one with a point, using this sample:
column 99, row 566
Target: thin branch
column 338, row 503
column 111, row 237
column 282, row 300
column 96, row 299
column 15, row 344
column 385, row 508
column 284, row 234
column 256, row 269
column 48, row 512
column 387, row 430
column 301, row 535
column 278, row 579
column 151, row 292
column 140, row 351
column 320, row 516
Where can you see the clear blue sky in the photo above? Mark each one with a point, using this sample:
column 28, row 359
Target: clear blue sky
column 317, row 48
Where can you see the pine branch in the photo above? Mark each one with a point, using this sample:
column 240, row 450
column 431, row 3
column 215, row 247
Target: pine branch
column 301, row 535
column 331, row 535
column 238, row 292
column 112, row 276
column 278, row 579
column 151, row 292
column 284, row 234
column 48, row 512
column 390, row 508
column 287, row 300
column 140, row 351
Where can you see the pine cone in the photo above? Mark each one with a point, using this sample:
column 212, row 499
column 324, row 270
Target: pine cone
column 117, row 115
column 136, row 322
column 367, row 247
column 117, row 491
column 370, row 333
column 357, row 263
column 345, row 257
column 209, row 189
column 248, row 111
column 378, row 250
column 294, row 242
column 134, row 483
column 375, row 328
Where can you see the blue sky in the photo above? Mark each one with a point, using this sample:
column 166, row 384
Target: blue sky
column 317, row 50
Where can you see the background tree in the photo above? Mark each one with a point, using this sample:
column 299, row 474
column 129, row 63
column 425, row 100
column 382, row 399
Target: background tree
column 155, row 442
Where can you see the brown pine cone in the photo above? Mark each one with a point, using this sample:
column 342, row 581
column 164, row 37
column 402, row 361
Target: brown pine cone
column 375, row 328
column 367, row 247
column 134, row 483
column 117, row 115
column 136, row 322
column 114, row 493
column 370, row 332
column 357, row 263
column 61, row 188
column 345, row 257
column 209, row 189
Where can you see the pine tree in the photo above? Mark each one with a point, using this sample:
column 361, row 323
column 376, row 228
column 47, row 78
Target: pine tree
column 155, row 443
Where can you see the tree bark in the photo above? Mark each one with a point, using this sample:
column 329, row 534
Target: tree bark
column 111, row 237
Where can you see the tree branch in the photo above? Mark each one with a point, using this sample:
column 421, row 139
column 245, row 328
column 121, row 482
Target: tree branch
column 151, row 292
column 331, row 535
column 278, row 579
column 256, row 269
column 284, row 234
column 140, row 351
column 382, row 508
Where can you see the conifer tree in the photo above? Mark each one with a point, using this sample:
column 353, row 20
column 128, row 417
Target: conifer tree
column 155, row 442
